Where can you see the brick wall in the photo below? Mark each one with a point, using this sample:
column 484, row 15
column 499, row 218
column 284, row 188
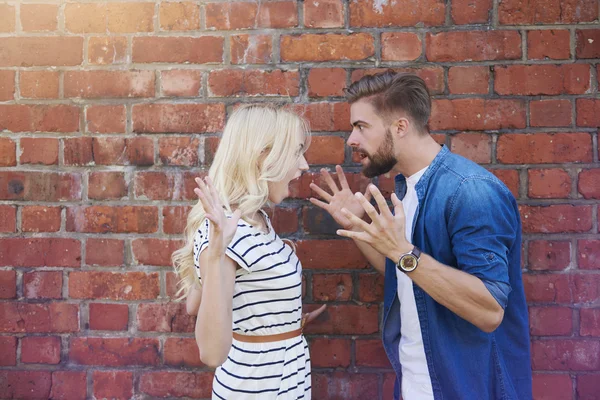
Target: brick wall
column 108, row 110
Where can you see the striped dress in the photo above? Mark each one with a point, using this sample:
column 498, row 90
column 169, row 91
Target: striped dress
column 267, row 300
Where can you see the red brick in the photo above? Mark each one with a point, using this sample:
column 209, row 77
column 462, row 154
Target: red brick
column 370, row 353
column 113, row 285
column 40, row 252
column 154, row 251
column 208, row 148
column 542, row 79
column 8, row 348
column 174, row 219
column 103, row 84
column 172, row 284
column 107, row 50
column 569, row 355
column 345, row 385
column 330, row 254
column 510, row 178
column 69, row 385
column 107, row 186
column 589, row 321
column 400, row 46
column 516, row 12
column 8, row 150
column 40, row 350
column 548, row 44
column 471, row 11
column 7, row 18
column 586, row 288
column 323, row 14
column 239, row 15
column 120, row 151
column 116, row 385
column 8, row 284
column 474, row 146
column 588, row 254
column 550, row 113
column 588, row 112
column 178, row 118
column 39, row 17
column 178, row 151
column 109, row 317
column 39, row 118
column 39, row 186
column 39, row 318
column 326, row 150
column 7, row 83
column 104, row 252
column 588, row 387
column 78, row 151
column 114, row 352
column 346, row 320
column 106, row 119
column 25, row 384
column 300, row 188
column 176, row 384
column 332, row 287
column 182, row 352
column 154, row 185
column 552, row 387
column 469, row 80
column 85, row 17
column 285, row 220
column 371, row 13
column 327, row 47
column 560, row 218
column 433, row 76
column 588, row 183
column 42, row 285
column 130, row 17
column 165, row 317
column 547, row 288
column 251, row 49
column 370, row 288
column 330, row 353
column 326, row 116
column 40, row 219
column 8, row 218
column 179, row 16
column 39, row 151
column 180, row 82
column 230, row 83
column 550, row 321
column 549, row 183
column 193, row 50
column 39, row 84
column 41, row 51
column 323, row 82
column 473, row 46
column 544, row 148
column 106, row 219
column 587, row 43
column 549, row 255
column 477, row 114
column 389, row 381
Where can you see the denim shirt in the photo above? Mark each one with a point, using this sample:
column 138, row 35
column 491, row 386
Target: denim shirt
column 466, row 219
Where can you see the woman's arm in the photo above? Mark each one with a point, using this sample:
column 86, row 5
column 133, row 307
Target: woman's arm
column 194, row 297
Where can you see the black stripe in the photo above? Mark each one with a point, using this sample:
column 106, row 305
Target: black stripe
column 249, row 377
column 244, row 237
column 265, row 314
column 216, row 394
column 244, row 391
column 279, row 263
column 272, row 326
column 254, row 365
column 268, row 290
column 267, row 301
column 268, row 254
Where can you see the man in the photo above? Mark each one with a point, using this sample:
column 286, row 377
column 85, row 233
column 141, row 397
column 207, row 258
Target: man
column 455, row 317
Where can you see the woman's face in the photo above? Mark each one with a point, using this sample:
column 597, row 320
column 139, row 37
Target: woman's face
column 278, row 191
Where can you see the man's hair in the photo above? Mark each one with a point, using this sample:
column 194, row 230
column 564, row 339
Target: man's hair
column 390, row 92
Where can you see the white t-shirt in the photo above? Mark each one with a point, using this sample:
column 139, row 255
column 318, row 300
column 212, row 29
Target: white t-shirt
column 416, row 382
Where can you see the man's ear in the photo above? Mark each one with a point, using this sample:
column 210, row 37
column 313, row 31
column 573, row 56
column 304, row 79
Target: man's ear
column 400, row 127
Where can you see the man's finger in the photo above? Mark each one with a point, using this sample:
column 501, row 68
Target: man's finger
column 398, row 207
column 356, row 222
column 311, row 316
column 362, row 236
column 322, row 193
column 370, row 210
column 384, row 209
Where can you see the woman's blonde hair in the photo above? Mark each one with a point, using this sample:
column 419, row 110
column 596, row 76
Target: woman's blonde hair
column 260, row 144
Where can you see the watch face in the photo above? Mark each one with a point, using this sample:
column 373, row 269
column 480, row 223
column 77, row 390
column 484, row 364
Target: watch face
column 408, row 263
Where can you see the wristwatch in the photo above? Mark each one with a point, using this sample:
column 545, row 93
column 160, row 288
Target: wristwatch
column 408, row 262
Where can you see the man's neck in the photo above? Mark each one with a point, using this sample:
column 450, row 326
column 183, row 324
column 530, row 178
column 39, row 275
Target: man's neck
column 416, row 155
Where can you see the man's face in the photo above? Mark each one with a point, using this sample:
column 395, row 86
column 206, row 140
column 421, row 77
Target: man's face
column 372, row 139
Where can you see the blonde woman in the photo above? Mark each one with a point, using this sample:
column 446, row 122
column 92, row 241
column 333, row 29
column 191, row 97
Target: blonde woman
column 249, row 306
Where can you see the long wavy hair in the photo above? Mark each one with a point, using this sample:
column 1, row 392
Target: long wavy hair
column 260, row 144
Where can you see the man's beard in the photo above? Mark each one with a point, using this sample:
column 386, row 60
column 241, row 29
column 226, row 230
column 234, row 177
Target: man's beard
column 383, row 160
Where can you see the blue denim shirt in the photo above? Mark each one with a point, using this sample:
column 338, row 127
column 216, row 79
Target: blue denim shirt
column 466, row 219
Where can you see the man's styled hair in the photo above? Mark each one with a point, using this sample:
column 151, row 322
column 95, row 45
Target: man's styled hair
column 391, row 92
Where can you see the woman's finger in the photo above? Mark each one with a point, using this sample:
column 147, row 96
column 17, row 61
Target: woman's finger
column 322, row 193
column 329, row 180
column 342, row 177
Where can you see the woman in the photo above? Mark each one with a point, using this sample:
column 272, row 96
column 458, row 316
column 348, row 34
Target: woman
column 249, row 324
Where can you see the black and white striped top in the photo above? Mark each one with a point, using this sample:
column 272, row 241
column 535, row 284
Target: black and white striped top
column 267, row 300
